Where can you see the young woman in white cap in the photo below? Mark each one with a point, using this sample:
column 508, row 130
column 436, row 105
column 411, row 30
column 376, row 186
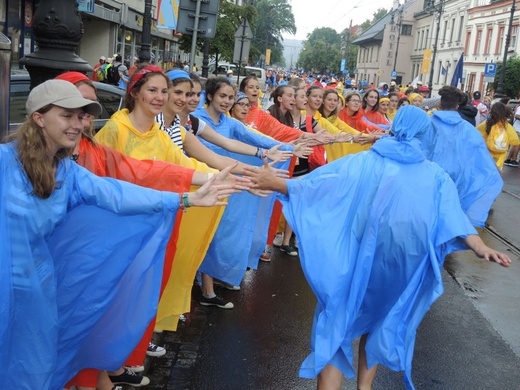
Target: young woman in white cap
column 59, row 222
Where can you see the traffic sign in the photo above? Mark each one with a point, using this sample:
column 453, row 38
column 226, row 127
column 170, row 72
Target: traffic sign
column 490, row 71
column 343, row 62
column 394, row 74
column 379, row 72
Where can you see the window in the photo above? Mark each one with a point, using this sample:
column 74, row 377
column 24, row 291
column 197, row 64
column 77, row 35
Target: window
column 514, row 35
column 468, row 39
column 452, row 30
column 426, row 40
column 445, row 31
column 461, row 27
column 489, row 35
column 439, row 73
column 500, row 40
column 406, row 29
column 476, row 49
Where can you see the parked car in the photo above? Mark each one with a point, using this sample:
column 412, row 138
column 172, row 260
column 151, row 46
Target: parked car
column 110, row 97
column 223, row 67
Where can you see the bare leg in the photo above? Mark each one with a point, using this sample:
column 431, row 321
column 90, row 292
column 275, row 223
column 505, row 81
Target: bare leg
column 513, row 153
column 104, row 382
column 287, row 234
column 207, row 285
column 330, row 378
column 115, row 373
column 365, row 376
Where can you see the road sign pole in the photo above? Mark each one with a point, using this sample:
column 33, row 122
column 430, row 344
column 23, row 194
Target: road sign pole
column 241, row 48
column 194, row 36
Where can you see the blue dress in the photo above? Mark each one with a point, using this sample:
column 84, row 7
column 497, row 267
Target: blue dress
column 242, row 232
column 80, row 272
column 391, row 216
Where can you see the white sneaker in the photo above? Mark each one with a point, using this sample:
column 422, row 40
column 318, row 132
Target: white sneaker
column 278, row 240
column 155, row 350
column 135, row 369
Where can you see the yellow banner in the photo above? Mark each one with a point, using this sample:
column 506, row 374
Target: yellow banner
column 268, row 57
column 426, row 61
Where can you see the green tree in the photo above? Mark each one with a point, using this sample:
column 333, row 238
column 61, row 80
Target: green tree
column 375, row 17
column 321, row 51
column 275, row 17
column 511, row 77
column 349, row 51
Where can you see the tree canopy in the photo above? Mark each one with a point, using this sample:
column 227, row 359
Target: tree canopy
column 511, row 77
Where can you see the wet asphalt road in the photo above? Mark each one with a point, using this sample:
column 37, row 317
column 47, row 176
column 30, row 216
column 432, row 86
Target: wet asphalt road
column 468, row 340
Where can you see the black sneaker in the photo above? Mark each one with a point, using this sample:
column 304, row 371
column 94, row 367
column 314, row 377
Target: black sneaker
column 513, row 163
column 129, row 378
column 507, row 162
column 289, row 249
column 216, row 301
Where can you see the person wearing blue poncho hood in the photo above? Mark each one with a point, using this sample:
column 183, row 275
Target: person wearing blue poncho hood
column 391, row 216
column 459, row 148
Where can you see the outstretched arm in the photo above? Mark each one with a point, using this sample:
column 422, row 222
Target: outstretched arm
column 475, row 243
column 266, row 179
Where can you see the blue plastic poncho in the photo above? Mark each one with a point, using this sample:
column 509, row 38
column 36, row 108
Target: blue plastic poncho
column 80, row 272
column 242, row 233
column 390, row 217
column 459, row 148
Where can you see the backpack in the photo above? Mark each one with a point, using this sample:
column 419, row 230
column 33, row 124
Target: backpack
column 113, row 74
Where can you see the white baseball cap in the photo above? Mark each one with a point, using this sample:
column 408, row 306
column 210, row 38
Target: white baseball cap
column 59, row 93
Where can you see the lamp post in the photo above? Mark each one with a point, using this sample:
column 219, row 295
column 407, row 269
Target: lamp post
column 146, row 36
column 57, row 29
column 500, row 87
column 431, row 7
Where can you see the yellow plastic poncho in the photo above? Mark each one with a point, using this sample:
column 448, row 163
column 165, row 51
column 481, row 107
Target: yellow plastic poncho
column 198, row 225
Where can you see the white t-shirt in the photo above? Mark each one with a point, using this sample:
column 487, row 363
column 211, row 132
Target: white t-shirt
column 516, row 123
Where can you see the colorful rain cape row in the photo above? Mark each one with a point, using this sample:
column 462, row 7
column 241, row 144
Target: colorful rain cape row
column 241, row 235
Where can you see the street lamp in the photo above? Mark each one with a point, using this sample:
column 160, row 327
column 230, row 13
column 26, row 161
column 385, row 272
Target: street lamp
column 146, row 36
column 431, row 7
column 500, row 87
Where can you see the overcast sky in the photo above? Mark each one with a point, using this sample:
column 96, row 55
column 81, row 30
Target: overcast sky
column 335, row 14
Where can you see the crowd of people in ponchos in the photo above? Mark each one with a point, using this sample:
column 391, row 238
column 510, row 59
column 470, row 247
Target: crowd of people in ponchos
column 92, row 265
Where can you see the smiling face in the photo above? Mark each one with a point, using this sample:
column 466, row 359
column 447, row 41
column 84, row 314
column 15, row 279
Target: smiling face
column 353, row 103
column 330, row 103
column 223, row 99
column 61, row 127
column 193, row 98
column 178, row 97
column 252, row 90
column 371, row 99
column 383, row 107
column 152, row 96
column 315, row 98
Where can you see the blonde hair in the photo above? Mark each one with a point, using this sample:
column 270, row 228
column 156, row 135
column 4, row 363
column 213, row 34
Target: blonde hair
column 32, row 153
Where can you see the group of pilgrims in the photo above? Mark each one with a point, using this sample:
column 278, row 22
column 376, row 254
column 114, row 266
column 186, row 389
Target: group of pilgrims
column 105, row 233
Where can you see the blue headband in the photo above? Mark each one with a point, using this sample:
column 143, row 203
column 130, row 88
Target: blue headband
column 177, row 74
column 240, row 96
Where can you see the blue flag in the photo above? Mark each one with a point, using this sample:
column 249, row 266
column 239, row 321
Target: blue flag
column 443, row 70
column 456, row 81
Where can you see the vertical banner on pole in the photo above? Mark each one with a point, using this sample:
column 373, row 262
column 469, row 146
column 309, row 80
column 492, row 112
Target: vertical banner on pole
column 268, row 57
column 426, row 62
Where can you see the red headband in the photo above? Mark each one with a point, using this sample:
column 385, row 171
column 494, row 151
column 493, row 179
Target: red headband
column 140, row 74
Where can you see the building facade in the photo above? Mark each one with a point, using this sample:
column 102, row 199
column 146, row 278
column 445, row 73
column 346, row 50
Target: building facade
column 110, row 27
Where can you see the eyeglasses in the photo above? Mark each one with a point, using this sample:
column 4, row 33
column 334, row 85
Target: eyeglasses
column 354, row 101
column 244, row 105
